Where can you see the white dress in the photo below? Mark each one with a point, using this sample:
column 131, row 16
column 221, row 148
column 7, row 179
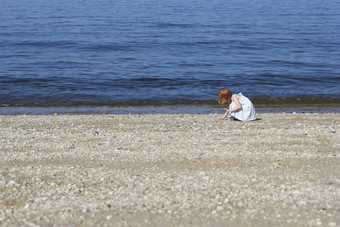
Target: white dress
column 247, row 111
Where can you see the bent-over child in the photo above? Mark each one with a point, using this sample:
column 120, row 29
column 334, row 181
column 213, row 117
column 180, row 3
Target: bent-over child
column 239, row 107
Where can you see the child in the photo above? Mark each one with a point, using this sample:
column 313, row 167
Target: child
column 239, row 106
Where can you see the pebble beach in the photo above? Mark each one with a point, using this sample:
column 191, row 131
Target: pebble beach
column 170, row 170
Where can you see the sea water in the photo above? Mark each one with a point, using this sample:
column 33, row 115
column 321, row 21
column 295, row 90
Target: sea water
column 146, row 52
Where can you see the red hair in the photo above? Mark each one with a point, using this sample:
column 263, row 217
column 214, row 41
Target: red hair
column 224, row 95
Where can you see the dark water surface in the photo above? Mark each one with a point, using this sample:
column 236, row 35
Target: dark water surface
column 146, row 52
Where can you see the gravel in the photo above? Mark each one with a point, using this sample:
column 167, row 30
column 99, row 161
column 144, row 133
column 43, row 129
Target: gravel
column 170, row 170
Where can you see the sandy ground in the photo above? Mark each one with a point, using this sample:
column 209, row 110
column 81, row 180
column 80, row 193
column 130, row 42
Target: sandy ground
column 170, row 170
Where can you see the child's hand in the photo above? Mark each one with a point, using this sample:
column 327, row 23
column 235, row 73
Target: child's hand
column 225, row 114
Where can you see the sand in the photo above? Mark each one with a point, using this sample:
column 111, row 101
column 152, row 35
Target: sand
column 170, row 170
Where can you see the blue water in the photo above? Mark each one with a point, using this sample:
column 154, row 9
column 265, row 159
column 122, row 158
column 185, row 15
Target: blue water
column 101, row 52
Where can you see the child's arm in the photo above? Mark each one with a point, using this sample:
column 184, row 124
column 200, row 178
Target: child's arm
column 237, row 103
column 225, row 114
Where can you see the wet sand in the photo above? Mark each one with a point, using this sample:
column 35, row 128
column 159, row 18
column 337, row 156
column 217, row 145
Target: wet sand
column 170, row 170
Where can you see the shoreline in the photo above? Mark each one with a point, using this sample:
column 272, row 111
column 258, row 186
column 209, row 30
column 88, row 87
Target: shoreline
column 170, row 170
column 159, row 109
